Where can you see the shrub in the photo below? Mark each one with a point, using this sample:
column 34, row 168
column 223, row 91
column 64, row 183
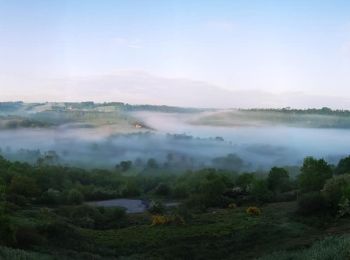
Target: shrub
column 51, row 197
column 156, row 207
column 159, row 220
column 75, row 197
column 253, row 211
column 344, row 208
column 336, row 189
column 162, row 190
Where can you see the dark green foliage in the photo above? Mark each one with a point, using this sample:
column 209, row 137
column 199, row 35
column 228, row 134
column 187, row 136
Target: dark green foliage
column 23, row 185
column 260, row 191
column 337, row 189
column 311, row 203
column 28, row 236
column 314, row 174
column 42, row 220
column 278, row 180
column 131, row 189
column 156, row 208
column 343, row 166
column 124, row 166
column 51, row 197
column 91, row 217
column 245, row 180
column 75, row 197
column 7, row 231
column 162, row 190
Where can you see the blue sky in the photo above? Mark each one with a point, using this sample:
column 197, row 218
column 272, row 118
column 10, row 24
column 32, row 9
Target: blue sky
column 275, row 47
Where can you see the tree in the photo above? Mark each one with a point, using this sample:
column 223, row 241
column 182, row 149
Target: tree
column 278, row 179
column 229, row 162
column 152, row 164
column 343, row 166
column 125, row 165
column 245, row 180
column 260, row 191
column 314, row 174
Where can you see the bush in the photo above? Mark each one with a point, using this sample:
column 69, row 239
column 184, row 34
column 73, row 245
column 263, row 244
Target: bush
column 311, row 203
column 253, row 211
column 336, row 189
column 51, row 197
column 75, row 197
column 162, row 190
column 156, row 207
column 158, row 220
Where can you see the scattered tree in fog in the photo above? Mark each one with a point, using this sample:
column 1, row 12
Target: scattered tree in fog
column 314, row 174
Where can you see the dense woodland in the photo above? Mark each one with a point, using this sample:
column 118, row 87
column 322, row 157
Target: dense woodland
column 219, row 213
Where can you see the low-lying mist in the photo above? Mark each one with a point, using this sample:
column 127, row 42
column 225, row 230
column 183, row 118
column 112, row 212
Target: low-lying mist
column 176, row 142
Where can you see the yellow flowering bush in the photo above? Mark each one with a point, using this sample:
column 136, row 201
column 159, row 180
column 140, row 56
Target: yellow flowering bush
column 253, row 211
column 158, row 220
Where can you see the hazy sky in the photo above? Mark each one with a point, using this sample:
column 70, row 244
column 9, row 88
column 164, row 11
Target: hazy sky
column 57, row 50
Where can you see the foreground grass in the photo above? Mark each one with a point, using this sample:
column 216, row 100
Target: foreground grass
column 331, row 248
column 17, row 254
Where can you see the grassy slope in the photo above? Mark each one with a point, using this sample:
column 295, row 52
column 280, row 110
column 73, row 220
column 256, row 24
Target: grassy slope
column 225, row 234
column 218, row 234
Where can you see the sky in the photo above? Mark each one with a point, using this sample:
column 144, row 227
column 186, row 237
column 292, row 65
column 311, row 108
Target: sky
column 223, row 53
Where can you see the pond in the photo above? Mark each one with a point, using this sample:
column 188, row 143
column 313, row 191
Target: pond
column 131, row 205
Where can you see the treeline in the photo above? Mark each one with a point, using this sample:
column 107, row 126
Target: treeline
column 308, row 111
